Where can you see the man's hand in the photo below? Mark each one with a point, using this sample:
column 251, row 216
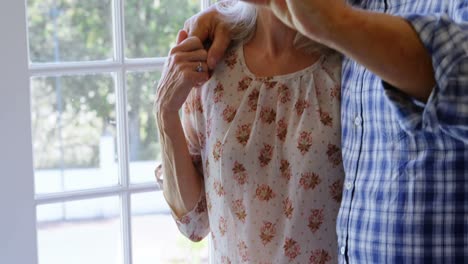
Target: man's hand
column 210, row 27
column 312, row 18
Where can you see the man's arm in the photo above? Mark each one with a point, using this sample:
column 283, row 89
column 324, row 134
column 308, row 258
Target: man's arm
column 386, row 45
column 423, row 56
column 446, row 36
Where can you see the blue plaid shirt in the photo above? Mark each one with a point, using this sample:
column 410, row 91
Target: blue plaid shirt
column 405, row 197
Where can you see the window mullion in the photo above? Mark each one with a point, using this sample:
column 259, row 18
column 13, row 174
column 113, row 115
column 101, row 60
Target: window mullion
column 205, row 4
column 122, row 130
column 122, row 142
column 94, row 193
column 126, row 227
column 72, row 68
column 118, row 32
column 77, row 195
column 93, row 67
column 123, row 152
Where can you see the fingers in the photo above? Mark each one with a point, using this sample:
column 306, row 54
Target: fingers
column 193, row 76
column 199, row 30
column 181, row 36
column 188, row 44
column 221, row 41
column 198, row 55
column 258, row 2
column 195, row 65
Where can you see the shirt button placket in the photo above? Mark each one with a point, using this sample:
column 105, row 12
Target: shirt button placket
column 342, row 250
column 358, row 121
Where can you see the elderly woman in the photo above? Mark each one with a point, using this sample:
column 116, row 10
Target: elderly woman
column 255, row 157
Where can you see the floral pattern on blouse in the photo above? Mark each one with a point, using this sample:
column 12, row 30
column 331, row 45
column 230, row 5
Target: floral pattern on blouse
column 271, row 162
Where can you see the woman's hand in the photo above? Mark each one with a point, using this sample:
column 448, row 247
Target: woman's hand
column 210, row 26
column 181, row 73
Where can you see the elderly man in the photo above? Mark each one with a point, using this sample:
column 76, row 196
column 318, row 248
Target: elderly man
column 404, row 120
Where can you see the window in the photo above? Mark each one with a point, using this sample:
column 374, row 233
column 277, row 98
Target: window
column 92, row 67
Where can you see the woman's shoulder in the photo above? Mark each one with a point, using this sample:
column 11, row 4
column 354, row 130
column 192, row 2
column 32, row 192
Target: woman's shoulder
column 332, row 63
column 332, row 57
column 229, row 66
column 231, row 57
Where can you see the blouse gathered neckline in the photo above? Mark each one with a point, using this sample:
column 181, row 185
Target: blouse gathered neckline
column 279, row 77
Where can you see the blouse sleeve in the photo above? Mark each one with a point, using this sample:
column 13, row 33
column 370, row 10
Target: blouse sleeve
column 195, row 224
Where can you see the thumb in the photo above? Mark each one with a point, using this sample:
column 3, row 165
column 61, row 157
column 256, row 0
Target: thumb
column 221, row 42
column 181, row 36
column 258, row 2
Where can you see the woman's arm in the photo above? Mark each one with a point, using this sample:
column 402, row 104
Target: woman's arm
column 182, row 183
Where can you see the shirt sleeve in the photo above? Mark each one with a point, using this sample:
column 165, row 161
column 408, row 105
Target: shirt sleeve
column 446, row 111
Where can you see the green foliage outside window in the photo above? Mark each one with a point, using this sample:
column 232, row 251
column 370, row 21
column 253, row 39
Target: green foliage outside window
column 81, row 30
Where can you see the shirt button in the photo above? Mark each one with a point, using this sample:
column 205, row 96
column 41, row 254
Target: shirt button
column 342, row 250
column 358, row 121
column 349, row 185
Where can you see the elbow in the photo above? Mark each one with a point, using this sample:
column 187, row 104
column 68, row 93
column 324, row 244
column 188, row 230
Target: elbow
column 195, row 233
column 196, row 238
column 428, row 84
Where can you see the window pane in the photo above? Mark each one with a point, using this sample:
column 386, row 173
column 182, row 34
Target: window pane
column 79, row 232
column 143, row 137
column 156, row 238
column 70, row 30
column 73, row 131
column 151, row 26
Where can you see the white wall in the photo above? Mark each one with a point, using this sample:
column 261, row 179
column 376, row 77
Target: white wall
column 17, row 214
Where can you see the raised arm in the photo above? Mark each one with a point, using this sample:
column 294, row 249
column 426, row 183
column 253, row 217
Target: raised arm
column 182, row 185
column 386, row 45
column 446, row 111
column 419, row 55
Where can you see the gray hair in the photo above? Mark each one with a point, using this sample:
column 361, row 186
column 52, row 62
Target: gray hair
column 243, row 18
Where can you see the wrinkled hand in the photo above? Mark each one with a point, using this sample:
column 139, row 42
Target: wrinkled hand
column 210, row 26
column 179, row 75
column 312, row 18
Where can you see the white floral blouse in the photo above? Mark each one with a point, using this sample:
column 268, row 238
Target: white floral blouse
column 269, row 152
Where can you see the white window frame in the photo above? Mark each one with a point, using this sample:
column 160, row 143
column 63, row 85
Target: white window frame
column 18, row 220
column 17, row 200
